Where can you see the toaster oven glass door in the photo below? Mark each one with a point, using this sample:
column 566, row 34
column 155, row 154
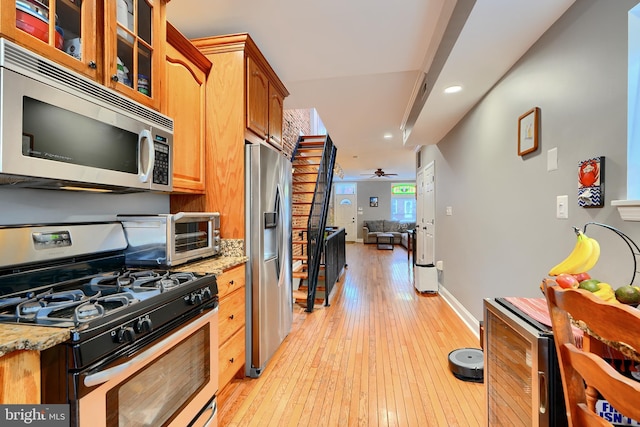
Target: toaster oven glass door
column 191, row 235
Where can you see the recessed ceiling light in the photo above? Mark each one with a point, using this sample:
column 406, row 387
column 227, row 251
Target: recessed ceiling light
column 388, row 136
column 453, row 89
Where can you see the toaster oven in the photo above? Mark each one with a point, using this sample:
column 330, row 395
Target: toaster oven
column 171, row 239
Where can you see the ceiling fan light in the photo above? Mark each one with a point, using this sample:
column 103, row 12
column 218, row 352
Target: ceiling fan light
column 387, row 135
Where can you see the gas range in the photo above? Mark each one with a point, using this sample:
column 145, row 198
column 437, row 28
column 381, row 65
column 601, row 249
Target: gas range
column 92, row 299
column 75, row 277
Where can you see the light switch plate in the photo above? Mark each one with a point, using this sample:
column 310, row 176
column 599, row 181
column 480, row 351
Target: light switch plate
column 562, row 207
column 449, row 210
column 552, row 159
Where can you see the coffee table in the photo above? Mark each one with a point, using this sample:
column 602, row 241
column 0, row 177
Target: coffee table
column 384, row 241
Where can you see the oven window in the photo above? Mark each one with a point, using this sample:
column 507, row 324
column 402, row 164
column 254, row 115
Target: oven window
column 155, row 394
column 191, row 235
column 52, row 133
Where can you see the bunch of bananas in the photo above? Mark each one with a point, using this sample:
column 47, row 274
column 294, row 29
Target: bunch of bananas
column 582, row 258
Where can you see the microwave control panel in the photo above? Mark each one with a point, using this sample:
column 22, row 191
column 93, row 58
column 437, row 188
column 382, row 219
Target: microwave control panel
column 161, row 166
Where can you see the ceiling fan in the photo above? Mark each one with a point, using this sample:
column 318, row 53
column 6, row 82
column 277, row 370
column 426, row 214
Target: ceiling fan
column 380, row 173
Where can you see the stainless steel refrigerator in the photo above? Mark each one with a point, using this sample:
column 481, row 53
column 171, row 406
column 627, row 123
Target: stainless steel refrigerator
column 268, row 239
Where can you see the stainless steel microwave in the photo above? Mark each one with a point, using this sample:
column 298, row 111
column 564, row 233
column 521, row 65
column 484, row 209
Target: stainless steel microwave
column 171, row 239
column 59, row 129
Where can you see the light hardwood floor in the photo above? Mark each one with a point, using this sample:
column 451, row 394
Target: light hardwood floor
column 377, row 356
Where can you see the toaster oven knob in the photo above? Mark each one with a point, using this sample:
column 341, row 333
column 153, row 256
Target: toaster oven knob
column 143, row 325
column 126, row 334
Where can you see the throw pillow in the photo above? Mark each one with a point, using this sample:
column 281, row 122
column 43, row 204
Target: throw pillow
column 403, row 227
column 374, row 226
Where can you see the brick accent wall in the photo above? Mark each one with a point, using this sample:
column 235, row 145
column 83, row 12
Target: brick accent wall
column 295, row 123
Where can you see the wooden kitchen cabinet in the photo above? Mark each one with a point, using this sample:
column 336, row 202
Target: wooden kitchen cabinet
column 276, row 111
column 231, row 358
column 184, row 102
column 72, row 42
column 229, row 110
column 87, row 38
column 231, row 324
column 20, row 377
column 257, row 99
column 134, row 57
column 265, row 102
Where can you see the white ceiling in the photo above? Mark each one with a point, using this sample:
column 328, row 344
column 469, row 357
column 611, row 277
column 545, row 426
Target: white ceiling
column 358, row 62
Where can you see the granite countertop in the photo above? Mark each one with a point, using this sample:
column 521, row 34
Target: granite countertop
column 232, row 254
column 212, row 265
column 29, row 337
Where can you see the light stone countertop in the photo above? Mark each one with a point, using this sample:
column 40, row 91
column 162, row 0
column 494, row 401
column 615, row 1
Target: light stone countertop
column 30, row 337
column 212, row 265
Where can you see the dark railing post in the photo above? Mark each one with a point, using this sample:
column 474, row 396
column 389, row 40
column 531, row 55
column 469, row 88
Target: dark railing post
column 318, row 218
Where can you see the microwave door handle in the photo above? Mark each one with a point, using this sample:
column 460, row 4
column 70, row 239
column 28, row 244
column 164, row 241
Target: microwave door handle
column 146, row 135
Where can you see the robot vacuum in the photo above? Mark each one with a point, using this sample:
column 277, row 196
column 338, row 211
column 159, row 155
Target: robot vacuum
column 467, row 364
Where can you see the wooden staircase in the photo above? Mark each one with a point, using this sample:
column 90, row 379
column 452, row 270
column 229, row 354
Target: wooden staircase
column 305, row 174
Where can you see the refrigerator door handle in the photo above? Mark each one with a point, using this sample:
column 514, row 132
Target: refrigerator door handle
column 279, row 231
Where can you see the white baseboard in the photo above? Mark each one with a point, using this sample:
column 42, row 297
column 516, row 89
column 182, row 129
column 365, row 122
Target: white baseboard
column 472, row 323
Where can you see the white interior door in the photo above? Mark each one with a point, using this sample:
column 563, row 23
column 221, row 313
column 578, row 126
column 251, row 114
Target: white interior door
column 429, row 202
column 346, row 211
column 425, row 210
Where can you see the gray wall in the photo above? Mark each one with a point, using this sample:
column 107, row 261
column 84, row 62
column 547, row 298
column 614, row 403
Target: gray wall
column 503, row 236
column 25, row 206
column 380, row 189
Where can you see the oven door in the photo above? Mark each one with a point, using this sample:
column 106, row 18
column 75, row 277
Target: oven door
column 170, row 382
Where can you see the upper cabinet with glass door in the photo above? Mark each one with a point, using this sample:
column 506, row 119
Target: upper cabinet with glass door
column 61, row 30
column 134, row 48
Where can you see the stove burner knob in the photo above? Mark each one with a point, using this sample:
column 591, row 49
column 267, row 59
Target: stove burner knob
column 206, row 293
column 196, row 298
column 126, row 334
column 143, row 325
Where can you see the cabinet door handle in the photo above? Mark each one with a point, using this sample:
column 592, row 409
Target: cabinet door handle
column 231, row 360
column 92, row 64
column 231, row 282
column 231, row 317
column 114, row 78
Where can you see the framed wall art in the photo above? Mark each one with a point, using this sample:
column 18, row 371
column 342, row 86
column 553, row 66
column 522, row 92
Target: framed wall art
column 373, row 202
column 528, row 131
column 591, row 183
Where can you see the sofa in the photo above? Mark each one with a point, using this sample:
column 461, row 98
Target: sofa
column 371, row 229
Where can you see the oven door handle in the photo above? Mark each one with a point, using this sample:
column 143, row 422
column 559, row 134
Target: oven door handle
column 100, row 377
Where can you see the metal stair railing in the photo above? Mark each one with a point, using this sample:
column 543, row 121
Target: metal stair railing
column 318, row 219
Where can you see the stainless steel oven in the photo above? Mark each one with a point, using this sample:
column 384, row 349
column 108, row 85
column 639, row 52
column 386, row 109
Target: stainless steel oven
column 162, row 384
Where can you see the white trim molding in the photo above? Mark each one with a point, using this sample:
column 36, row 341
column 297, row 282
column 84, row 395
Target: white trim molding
column 629, row 210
